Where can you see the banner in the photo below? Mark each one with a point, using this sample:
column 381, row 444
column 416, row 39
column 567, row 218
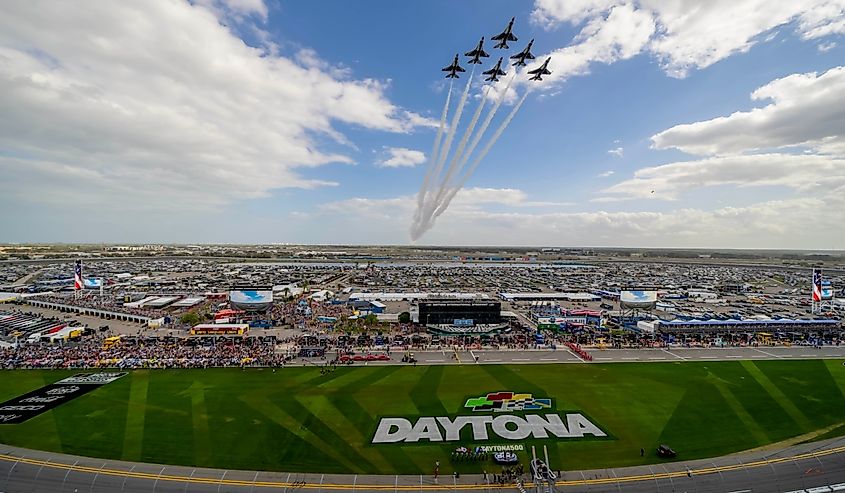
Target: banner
column 29, row 405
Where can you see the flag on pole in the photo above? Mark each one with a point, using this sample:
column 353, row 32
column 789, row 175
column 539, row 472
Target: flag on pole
column 77, row 275
column 817, row 285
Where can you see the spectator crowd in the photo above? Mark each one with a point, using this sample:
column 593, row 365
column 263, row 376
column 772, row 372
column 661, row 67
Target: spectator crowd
column 145, row 353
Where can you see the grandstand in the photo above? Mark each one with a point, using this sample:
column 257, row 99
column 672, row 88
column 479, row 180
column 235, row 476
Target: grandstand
column 725, row 326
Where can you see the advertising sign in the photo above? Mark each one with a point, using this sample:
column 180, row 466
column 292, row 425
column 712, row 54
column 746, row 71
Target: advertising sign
column 482, row 426
column 635, row 298
column 92, row 283
column 464, row 322
column 827, row 290
column 251, row 300
column 29, row 405
column 219, row 329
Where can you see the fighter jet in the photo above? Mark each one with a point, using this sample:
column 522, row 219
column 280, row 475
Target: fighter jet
column 477, row 53
column 494, row 72
column 523, row 55
column 542, row 70
column 453, row 69
column 505, row 36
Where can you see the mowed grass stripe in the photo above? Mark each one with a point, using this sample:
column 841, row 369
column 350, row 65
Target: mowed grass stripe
column 771, row 418
column 370, row 379
column 511, row 381
column 424, row 393
column 261, row 403
column 704, row 412
column 836, row 368
column 136, row 410
column 199, row 415
column 362, row 420
column 780, row 398
column 810, row 387
column 740, row 411
column 318, row 427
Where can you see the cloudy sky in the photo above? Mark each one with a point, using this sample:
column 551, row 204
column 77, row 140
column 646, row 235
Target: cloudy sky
column 665, row 123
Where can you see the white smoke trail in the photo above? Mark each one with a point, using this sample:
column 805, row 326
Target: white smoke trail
column 424, row 210
column 477, row 161
column 453, row 129
column 428, row 220
column 481, row 131
column 454, row 164
column 432, row 158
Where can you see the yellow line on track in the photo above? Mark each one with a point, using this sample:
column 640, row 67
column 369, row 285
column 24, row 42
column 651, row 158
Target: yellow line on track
column 359, row 486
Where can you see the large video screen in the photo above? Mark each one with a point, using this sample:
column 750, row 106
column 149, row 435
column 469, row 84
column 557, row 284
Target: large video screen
column 247, row 299
column 827, row 290
column 92, row 283
column 634, row 298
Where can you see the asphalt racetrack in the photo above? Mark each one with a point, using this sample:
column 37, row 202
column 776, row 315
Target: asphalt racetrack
column 808, row 468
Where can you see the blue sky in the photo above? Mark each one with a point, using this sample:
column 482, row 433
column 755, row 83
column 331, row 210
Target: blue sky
column 267, row 121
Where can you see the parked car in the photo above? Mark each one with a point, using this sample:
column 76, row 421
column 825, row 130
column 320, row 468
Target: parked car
column 665, row 451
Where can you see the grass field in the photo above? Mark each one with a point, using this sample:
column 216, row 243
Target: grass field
column 298, row 420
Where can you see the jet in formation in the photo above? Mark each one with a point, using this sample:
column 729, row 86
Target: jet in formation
column 494, row 72
column 523, row 55
column 505, row 36
column 477, row 53
column 542, row 70
column 453, row 69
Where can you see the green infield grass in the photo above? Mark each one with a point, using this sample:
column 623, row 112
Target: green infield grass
column 301, row 421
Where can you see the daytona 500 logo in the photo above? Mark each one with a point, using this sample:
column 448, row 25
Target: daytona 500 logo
column 504, row 426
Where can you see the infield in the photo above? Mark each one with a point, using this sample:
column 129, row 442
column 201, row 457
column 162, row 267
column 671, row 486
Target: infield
column 299, row 420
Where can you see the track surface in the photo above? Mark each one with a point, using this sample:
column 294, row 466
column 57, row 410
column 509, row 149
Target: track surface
column 562, row 355
column 814, row 467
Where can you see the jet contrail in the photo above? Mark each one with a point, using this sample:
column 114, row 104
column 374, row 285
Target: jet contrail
column 453, row 128
column 444, row 151
column 427, row 221
column 475, row 163
column 457, row 162
column 483, row 129
column 432, row 158
column 425, row 216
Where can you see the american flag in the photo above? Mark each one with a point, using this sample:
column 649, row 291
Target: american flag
column 817, row 285
column 77, row 275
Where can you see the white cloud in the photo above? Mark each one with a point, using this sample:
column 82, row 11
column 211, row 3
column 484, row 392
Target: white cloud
column 398, row 157
column 160, row 98
column 697, row 34
column 792, row 223
column 465, row 200
column 682, row 34
column 236, row 10
column 805, row 110
column 618, row 152
column 825, row 47
column 551, row 12
column 824, row 19
column 805, row 113
column 803, row 172
column 619, row 35
column 605, row 174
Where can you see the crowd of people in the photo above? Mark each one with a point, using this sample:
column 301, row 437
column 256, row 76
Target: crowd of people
column 145, row 353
